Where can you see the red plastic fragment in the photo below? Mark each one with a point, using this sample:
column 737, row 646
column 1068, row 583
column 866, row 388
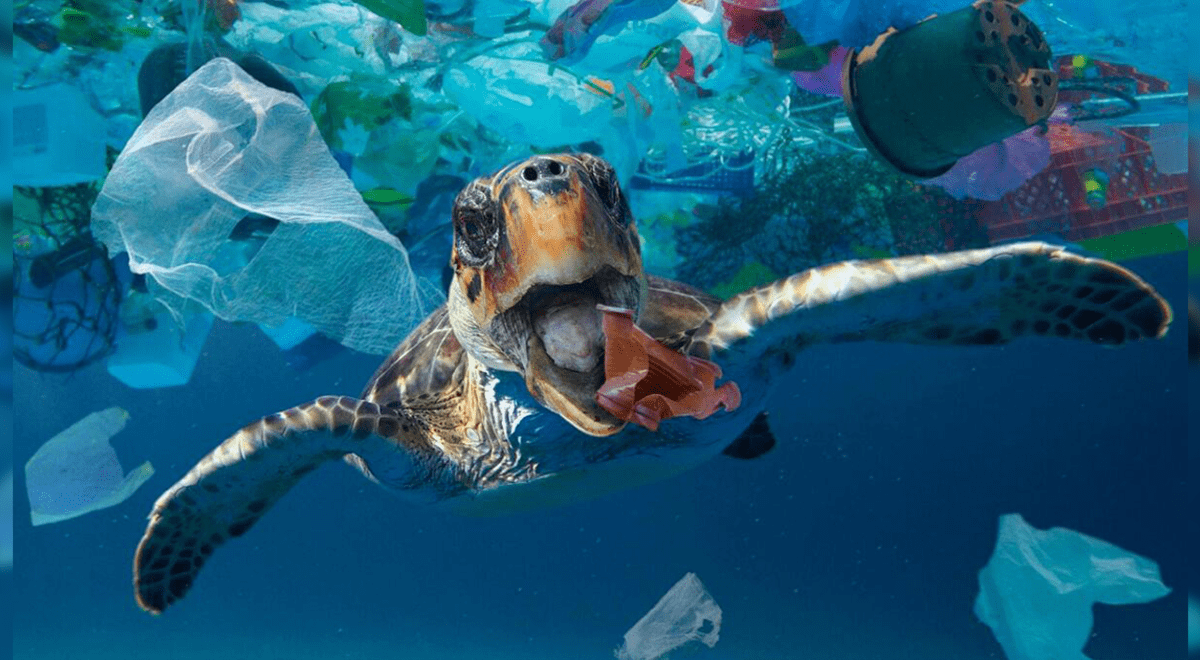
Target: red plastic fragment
column 646, row 382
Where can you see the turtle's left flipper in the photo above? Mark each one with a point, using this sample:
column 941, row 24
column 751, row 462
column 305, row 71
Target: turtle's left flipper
column 234, row 485
column 987, row 296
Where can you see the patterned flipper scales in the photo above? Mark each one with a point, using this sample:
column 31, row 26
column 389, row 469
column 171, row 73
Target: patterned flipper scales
column 973, row 297
column 231, row 488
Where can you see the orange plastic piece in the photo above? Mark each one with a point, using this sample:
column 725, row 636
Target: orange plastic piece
column 646, row 382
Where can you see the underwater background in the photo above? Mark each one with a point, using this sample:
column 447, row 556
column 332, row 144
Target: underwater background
column 859, row 536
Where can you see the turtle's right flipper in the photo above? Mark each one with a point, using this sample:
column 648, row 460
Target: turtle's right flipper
column 230, row 489
column 973, row 297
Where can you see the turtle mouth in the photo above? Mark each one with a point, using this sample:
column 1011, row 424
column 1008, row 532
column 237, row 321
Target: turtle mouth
column 564, row 361
column 566, row 322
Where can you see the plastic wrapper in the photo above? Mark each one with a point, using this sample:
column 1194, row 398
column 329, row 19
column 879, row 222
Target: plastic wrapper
column 77, row 471
column 574, row 32
column 223, row 148
column 687, row 613
column 525, row 102
column 646, row 382
column 993, row 170
column 1037, row 591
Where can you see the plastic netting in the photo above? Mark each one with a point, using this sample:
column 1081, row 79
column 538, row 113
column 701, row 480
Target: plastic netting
column 226, row 195
column 66, row 293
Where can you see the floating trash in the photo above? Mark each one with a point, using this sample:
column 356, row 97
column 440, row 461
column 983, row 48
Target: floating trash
column 687, row 613
column 248, row 149
column 1037, row 591
column 77, row 471
column 66, row 293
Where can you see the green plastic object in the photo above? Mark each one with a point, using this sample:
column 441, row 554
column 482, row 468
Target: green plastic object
column 924, row 97
column 410, row 14
column 1138, row 243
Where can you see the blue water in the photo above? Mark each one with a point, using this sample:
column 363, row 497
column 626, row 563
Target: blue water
column 859, row 536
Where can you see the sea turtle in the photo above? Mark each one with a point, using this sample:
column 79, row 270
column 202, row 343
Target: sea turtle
column 495, row 401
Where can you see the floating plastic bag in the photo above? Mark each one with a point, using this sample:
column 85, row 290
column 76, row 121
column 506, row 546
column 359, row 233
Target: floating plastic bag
column 1037, row 591
column 527, row 103
column 222, row 147
column 856, row 23
column 828, row 79
column 574, row 32
column 686, row 613
column 77, row 471
column 994, row 170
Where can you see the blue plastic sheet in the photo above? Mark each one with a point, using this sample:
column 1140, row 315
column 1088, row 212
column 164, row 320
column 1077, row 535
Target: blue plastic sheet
column 856, row 23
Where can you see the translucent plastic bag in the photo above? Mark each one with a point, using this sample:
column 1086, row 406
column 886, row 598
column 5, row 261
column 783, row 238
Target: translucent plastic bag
column 77, row 471
column 1037, row 591
column 687, row 613
column 227, row 195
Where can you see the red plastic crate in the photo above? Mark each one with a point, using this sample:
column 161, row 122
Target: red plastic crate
column 1055, row 201
column 1065, row 66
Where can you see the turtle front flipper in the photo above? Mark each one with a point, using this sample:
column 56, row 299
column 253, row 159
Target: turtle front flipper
column 973, row 297
column 230, row 489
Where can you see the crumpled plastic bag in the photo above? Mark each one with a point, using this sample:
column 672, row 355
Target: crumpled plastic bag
column 828, row 79
column 856, row 23
column 528, row 103
column 221, row 148
column 575, row 30
column 996, row 169
column 687, row 613
column 77, row 471
column 1037, row 590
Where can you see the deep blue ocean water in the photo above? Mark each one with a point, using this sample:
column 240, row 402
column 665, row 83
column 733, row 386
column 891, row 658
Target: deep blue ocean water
column 858, row 537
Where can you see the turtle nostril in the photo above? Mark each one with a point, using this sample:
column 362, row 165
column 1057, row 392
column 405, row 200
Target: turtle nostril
column 555, row 168
column 530, row 173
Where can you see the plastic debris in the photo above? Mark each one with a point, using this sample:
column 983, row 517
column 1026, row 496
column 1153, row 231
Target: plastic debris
column 828, row 79
column 574, row 32
column 856, row 23
column 77, row 471
column 525, row 101
column 167, row 66
column 222, row 147
column 1037, row 591
column 687, row 613
column 646, row 382
column 996, row 169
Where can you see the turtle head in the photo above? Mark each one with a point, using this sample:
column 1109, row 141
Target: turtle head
column 536, row 247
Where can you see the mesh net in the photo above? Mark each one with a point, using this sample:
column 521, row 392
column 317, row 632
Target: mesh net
column 66, row 293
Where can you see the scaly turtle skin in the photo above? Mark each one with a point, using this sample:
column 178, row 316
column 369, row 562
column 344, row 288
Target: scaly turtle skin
column 490, row 405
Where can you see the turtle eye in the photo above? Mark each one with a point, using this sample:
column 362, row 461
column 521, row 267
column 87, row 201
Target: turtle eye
column 476, row 233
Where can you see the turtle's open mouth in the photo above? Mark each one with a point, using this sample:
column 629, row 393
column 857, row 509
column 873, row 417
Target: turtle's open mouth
column 565, row 344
